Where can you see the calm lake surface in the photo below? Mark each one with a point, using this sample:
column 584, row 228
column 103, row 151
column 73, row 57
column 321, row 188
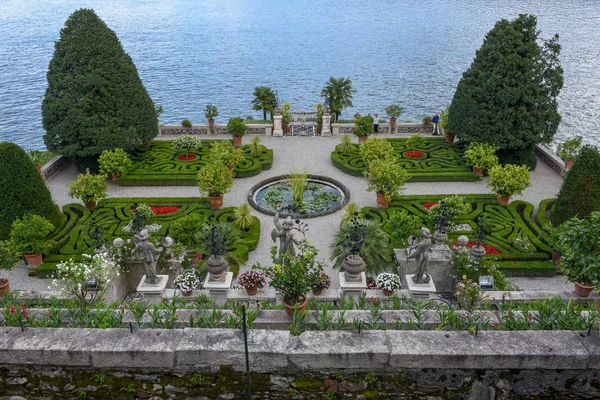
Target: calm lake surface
column 190, row 53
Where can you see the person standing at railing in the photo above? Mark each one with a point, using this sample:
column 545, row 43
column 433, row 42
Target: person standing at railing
column 376, row 124
column 436, row 120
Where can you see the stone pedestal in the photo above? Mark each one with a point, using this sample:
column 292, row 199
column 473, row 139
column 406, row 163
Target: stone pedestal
column 325, row 128
column 352, row 289
column 277, row 125
column 419, row 290
column 153, row 293
column 440, row 267
column 218, row 289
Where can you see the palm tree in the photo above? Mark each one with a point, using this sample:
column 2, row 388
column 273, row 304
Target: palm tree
column 338, row 95
column 264, row 99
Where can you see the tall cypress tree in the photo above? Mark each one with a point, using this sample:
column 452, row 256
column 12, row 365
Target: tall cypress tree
column 23, row 190
column 95, row 99
column 579, row 194
column 508, row 96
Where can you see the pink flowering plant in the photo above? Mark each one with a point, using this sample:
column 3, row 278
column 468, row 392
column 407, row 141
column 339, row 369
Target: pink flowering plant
column 468, row 294
column 319, row 281
column 252, row 280
column 12, row 316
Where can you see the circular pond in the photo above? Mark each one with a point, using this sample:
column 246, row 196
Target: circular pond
column 322, row 196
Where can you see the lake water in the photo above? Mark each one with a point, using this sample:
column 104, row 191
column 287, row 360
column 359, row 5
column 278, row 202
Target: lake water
column 190, row 53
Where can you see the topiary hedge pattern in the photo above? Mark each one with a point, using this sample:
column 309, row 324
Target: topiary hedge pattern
column 22, row 190
column 73, row 238
column 506, row 224
column 159, row 165
column 441, row 161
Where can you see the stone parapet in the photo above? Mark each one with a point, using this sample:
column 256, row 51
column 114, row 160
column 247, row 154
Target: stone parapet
column 219, row 129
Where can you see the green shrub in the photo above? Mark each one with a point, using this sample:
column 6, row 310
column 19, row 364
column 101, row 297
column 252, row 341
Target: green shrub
column 386, row 177
column 346, row 145
column 481, row 155
column 186, row 124
column 28, row 235
column 415, row 141
column 509, row 180
column 363, row 126
column 570, row 149
column 403, row 225
column 224, row 152
column 579, row 194
column 427, row 120
column 183, row 230
column 22, row 190
column 394, row 110
column 211, row 112
column 243, row 218
column 374, row 150
column 115, row 161
column 255, row 146
column 88, row 187
column 214, row 179
column 236, row 127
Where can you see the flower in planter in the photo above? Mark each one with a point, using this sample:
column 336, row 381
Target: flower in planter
column 388, row 281
column 319, row 281
column 252, row 280
column 187, row 281
column 414, row 154
column 371, row 284
column 467, row 293
column 163, row 210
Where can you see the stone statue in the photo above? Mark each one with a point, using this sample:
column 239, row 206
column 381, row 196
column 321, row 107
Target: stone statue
column 151, row 254
column 288, row 235
column 420, row 252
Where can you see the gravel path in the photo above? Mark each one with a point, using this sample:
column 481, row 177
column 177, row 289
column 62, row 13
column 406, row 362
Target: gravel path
column 314, row 153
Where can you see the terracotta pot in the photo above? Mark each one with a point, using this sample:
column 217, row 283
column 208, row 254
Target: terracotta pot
column 196, row 258
column 598, row 305
column 217, row 267
column 503, row 200
column 388, row 292
column 381, row 201
column 289, row 308
column 188, row 293
column 317, row 292
column 211, row 123
column 583, row 290
column 216, row 202
column 251, row 291
column 449, row 139
column 392, row 124
column 478, row 172
column 116, row 176
column 91, row 205
column 555, row 256
column 33, row 260
column 4, row 286
column 568, row 165
column 362, row 139
column 237, row 141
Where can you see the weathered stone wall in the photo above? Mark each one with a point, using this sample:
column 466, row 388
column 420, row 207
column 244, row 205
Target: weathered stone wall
column 218, row 129
column 549, row 158
column 54, row 166
column 57, row 363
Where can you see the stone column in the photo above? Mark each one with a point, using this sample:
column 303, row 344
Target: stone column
column 277, row 123
column 325, row 130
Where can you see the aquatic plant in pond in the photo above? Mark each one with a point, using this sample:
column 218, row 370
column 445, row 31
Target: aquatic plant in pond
column 317, row 197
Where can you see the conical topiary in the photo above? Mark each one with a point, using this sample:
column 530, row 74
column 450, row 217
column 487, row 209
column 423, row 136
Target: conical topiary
column 23, row 190
column 580, row 192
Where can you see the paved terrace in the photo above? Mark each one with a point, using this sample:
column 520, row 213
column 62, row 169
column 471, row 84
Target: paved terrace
column 314, row 153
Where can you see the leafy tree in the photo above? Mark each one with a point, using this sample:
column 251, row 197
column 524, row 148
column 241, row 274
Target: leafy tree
column 265, row 100
column 508, row 97
column 337, row 95
column 23, row 190
column 95, row 99
column 580, row 191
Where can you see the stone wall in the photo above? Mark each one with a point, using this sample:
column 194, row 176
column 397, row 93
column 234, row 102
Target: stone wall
column 54, row 166
column 218, row 129
column 59, row 363
column 384, row 128
column 549, row 158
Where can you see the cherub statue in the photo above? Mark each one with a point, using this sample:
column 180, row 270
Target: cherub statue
column 420, row 252
column 151, row 254
column 288, row 234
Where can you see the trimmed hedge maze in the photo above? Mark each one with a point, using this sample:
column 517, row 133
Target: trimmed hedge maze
column 441, row 161
column 157, row 165
column 73, row 238
column 506, row 223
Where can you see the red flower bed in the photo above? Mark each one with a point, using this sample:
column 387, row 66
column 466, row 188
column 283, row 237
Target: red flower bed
column 188, row 157
column 488, row 249
column 414, row 154
column 429, row 205
column 162, row 210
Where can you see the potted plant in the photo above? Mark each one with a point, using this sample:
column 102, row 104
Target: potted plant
column 214, row 180
column 243, row 218
column 388, row 282
column 578, row 242
column 186, row 144
column 363, row 127
column 286, row 116
column 427, row 121
column 88, row 188
column 186, row 124
column 569, row 151
column 187, row 281
column 319, row 281
column 252, row 281
column 290, row 274
column 393, row 111
column 319, row 118
column 8, row 258
column 184, row 230
column 223, row 152
column 481, row 157
column 415, row 141
column 508, row 180
column 114, row 162
column 443, row 124
column 210, row 112
column 372, row 150
column 385, row 178
column 217, row 239
column 28, row 237
column 237, row 128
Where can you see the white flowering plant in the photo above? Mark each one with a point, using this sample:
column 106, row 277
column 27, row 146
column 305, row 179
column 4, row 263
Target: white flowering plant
column 188, row 280
column 186, row 144
column 86, row 280
column 388, row 281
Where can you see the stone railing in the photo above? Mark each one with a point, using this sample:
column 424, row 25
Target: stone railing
column 54, row 166
column 218, row 129
column 401, row 128
column 549, row 158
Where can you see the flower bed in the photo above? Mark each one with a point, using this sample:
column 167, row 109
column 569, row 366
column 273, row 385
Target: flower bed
column 429, row 205
column 414, row 154
column 164, row 210
column 188, row 157
column 488, row 248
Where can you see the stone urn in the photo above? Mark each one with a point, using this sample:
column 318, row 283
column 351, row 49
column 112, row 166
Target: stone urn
column 353, row 265
column 462, row 244
column 217, row 268
column 477, row 251
column 440, row 237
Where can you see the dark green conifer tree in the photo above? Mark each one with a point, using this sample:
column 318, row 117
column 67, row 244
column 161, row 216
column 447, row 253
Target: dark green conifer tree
column 508, row 96
column 22, row 190
column 579, row 194
column 95, row 99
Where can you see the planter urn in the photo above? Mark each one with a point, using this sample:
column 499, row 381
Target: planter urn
column 582, row 290
column 289, row 308
column 439, row 237
column 353, row 265
column 33, row 260
column 217, row 268
column 503, row 200
column 477, row 251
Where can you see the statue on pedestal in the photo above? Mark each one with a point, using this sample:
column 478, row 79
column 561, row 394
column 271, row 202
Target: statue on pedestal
column 420, row 252
column 150, row 253
column 288, row 234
